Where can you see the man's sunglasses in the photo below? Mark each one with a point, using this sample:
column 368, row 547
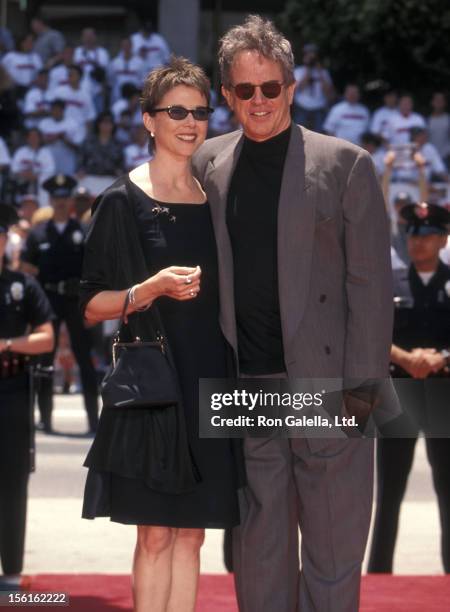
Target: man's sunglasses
column 178, row 113
column 269, row 89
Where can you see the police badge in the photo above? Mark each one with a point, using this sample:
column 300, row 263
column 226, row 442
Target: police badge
column 17, row 291
column 77, row 237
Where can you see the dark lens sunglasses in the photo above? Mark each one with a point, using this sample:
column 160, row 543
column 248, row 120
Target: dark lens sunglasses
column 178, row 113
column 269, row 89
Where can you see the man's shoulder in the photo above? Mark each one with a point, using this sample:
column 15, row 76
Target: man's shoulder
column 213, row 147
column 323, row 147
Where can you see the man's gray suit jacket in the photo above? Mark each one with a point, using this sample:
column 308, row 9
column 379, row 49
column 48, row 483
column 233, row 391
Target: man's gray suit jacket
column 335, row 280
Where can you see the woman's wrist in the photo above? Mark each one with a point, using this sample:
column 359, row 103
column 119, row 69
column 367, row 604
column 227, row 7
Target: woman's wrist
column 143, row 298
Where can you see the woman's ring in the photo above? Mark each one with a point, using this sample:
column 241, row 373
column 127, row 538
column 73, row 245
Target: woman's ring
column 192, row 293
column 188, row 280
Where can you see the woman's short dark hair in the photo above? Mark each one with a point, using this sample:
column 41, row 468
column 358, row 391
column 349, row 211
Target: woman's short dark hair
column 179, row 71
column 260, row 35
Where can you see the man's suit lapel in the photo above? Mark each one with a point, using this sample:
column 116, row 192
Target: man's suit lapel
column 217, row 181
column 296, row 215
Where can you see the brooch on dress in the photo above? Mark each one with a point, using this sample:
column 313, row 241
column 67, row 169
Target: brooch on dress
column 163, row 210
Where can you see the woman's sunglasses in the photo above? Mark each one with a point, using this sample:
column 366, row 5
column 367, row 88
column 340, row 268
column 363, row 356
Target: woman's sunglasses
column 178, row 113
column 269, row 89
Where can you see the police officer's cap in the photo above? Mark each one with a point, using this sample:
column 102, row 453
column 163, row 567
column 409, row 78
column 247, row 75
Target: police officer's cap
column 60, row 185
column 8, row 216
column 425, row 219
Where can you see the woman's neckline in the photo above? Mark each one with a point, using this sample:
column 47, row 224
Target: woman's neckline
column 162, row 202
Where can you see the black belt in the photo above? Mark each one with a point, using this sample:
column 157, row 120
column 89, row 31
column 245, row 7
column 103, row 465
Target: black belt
column 69, row 287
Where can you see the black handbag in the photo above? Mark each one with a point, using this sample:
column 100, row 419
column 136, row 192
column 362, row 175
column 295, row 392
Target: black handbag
column 140, row 375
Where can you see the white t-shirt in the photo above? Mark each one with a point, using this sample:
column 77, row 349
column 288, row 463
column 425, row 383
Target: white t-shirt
column 347, row 121
column 40, row 162
column 22, row 67
column 125, row 71
column 35, row 100
column 439, row 133
column 121, row 105
column 378, row 160
column 136, row 155
column 380, row 121
column 311, row 97
column 67, row 127
column 433, row 165
column 79, row 105
column 397, row 130
column 153, row 50
column 59, row 75
column 87, row 59
column 5, row 158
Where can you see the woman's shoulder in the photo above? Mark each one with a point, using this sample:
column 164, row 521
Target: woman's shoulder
column 115, row 198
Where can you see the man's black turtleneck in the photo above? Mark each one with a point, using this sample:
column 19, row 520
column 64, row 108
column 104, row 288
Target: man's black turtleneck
column 252, row 210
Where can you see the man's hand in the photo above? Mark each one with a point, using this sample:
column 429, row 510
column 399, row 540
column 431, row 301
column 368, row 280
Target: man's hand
column 420, row 363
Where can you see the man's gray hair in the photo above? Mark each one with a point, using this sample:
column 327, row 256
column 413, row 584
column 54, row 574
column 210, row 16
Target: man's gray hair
column 256, row 34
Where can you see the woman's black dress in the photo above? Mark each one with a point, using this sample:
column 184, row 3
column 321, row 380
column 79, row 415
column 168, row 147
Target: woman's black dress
column 182, row 237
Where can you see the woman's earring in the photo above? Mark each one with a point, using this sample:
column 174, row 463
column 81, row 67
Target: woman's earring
column 152, row 134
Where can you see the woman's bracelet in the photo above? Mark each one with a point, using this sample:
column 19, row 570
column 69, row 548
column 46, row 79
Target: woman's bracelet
column 133, row 301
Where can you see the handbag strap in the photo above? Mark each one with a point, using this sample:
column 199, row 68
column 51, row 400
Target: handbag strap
column 123, row 322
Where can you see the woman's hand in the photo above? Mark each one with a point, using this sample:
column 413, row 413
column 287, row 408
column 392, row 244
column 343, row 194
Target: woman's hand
column 178, row 283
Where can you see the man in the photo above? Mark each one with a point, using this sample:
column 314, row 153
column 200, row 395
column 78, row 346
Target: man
column 49, row 43
column 90, row 55
column 63, row 137
column 23, row 65
column 348, row 119
column 54, row 252
column 421, row 364
column 59, row 74
column 398, row 129
column 79, row 104
column 32, row 163
column 150, row 46
column 25, row 329
column 305, row 291
column 36, row 104
column 314, row 89
column 383, row 115
column 125, row 68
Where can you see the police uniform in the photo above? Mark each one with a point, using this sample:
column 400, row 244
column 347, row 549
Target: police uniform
column 58, row 255
column 23, row 304
column 422, row 320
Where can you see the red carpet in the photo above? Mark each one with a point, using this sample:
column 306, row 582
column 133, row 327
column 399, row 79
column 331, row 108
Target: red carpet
column 108, row 593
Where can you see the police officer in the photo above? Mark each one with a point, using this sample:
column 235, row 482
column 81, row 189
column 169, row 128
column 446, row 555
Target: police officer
column 23, row 305
column 54, row 251
column 421, row 366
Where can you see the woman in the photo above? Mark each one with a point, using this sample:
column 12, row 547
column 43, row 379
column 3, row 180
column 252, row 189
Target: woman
column 152, row 230
column 101, row 156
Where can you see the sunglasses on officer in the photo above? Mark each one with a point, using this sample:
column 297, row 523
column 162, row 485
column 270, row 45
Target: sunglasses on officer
column 246, row 91
column 178, row 113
